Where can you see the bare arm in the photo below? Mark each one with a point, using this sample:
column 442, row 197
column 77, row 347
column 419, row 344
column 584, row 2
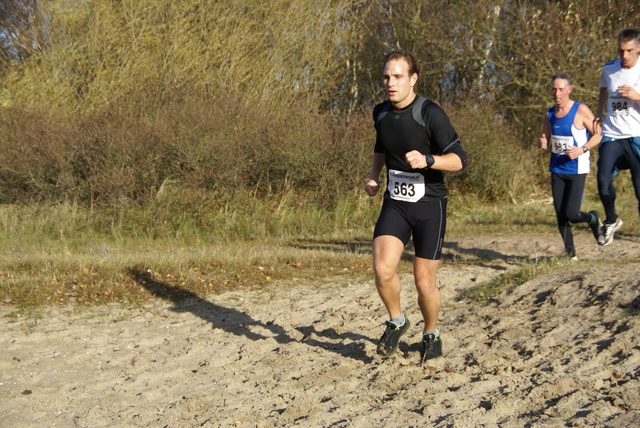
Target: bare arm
column 593, row 126
column 630, row 92
column 373, row 184
column 586, row 119
column 447, row 162
column 543, row 141
column 603, row 97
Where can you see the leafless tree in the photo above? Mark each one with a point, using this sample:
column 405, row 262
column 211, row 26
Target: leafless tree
column 21, row 29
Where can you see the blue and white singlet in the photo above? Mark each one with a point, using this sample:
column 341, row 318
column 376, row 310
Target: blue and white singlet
column 565, row 135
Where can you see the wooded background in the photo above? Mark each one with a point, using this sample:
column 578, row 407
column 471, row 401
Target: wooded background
column 114, row 101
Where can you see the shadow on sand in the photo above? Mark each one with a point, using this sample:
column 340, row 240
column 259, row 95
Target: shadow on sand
column 239, row 323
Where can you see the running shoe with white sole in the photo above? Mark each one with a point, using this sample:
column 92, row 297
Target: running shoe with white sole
column 608, row 230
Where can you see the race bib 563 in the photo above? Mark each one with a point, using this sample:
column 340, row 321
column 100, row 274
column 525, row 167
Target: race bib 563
column 406, row 186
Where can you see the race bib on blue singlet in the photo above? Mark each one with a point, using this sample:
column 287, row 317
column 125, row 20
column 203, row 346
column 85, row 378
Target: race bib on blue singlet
column 560, row 144
column 406, row 186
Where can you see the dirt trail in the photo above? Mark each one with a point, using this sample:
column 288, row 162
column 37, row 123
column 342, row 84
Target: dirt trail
column 560, row 350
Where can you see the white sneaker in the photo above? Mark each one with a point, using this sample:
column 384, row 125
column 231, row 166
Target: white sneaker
column 608, row 230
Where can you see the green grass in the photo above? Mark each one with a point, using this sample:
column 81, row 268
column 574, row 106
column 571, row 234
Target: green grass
column 67, row 254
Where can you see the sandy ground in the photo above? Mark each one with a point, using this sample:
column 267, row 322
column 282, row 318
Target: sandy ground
column 560, row 350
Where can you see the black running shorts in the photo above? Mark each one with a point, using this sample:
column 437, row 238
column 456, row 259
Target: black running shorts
column 426, row 221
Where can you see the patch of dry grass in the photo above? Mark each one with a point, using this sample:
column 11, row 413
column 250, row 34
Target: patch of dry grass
column 97, row 275
column 66, row 254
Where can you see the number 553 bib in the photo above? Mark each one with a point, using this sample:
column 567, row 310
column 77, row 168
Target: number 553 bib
column 406, row 186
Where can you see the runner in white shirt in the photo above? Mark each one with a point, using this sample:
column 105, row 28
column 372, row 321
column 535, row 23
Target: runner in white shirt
column 620, row 93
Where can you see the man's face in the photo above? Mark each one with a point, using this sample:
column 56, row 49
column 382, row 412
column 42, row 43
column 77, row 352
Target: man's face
column 628, row 52
column 561, row 91
column 398, row 83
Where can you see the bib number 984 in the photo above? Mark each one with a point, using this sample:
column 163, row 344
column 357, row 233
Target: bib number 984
column 619, row 108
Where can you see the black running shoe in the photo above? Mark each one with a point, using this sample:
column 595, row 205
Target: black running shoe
column 596, row 226
column 431, row 347
column 388, row 343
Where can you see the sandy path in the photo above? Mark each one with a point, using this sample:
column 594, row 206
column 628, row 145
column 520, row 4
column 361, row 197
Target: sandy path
column 560, row 350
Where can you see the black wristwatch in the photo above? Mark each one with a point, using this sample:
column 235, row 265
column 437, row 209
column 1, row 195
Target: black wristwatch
column 430, row 161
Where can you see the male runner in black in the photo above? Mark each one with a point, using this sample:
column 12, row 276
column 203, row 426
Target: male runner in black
column 416, row 142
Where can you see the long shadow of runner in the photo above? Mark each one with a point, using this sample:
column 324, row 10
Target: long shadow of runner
column 239, row 323
column 227, row 319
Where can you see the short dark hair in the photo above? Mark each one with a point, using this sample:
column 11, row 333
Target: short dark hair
column 414, row 67
column 629, row 34
column 561, row 75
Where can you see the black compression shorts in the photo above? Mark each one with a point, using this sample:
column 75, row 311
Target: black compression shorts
column 426, row 221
